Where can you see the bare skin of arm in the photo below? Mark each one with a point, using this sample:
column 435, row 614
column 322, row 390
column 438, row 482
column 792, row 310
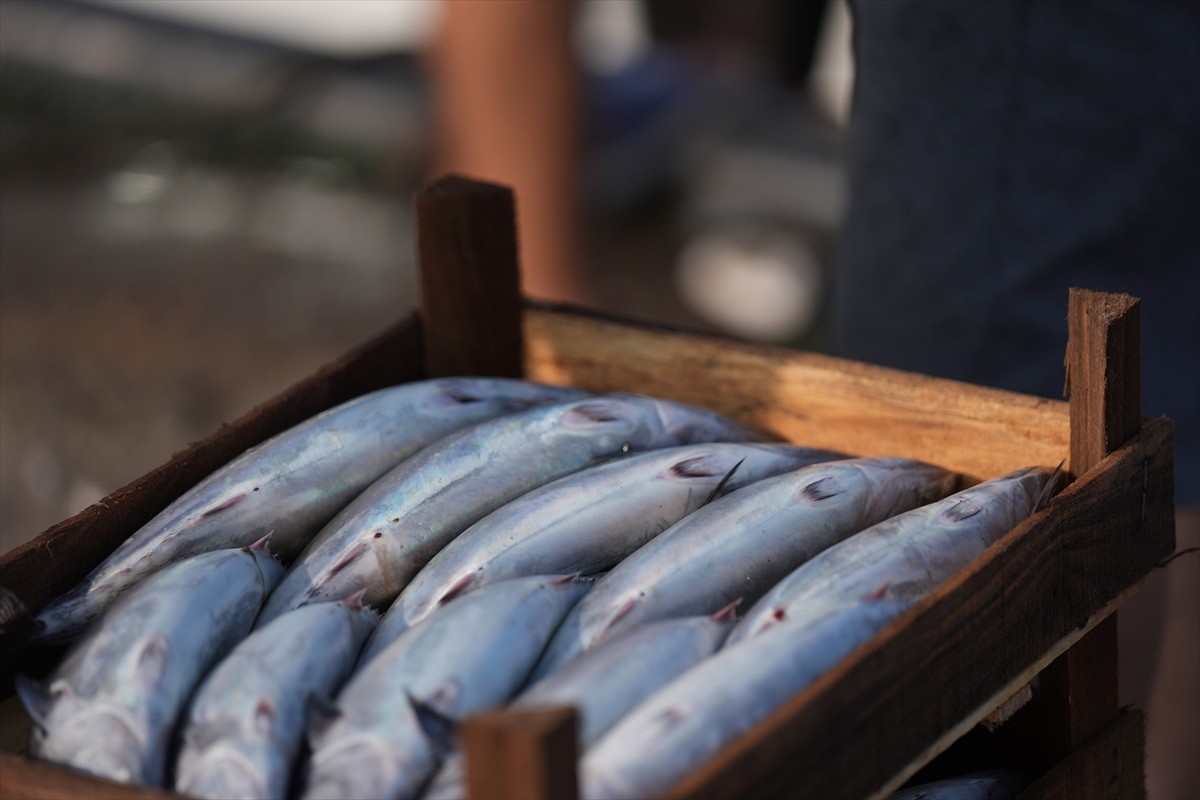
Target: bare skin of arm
column 506, row 102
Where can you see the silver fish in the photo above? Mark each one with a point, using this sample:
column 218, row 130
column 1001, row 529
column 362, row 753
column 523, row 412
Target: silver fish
column 243, row 732
column 742, row 544
column 904, row 557
column 473, row 654
column 691, row 719
column 586, row 522
column 387, row 534
column 997, row 784
column 111, row 705
column 292, row 484
column 609, row 680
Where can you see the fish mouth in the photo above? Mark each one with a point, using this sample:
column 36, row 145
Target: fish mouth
column 224, row 772
column 103, row 741
column 361, row 766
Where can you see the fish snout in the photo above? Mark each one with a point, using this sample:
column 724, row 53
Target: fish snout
column 103, row 743
column 224, row 773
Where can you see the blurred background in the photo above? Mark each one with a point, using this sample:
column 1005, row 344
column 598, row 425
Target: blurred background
column 204, row 201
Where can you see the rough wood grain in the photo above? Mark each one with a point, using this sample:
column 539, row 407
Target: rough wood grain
column 1109, row 766
column 523, row 754
column 45, row 567
column 26, row 779
column 803, row 397
column 873, row 715
column 1103, row 362
column 470, row 284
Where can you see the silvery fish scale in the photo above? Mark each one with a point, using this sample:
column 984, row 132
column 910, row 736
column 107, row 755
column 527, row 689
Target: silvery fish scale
column 293, row 483
column 586, row 522
column 905, row 557
column 245, row 727
column 111, row 706
column 740, row 545
column 383, row 538
column 473, row 654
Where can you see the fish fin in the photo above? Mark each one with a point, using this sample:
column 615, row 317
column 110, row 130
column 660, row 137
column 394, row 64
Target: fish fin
column 716, row 492
column 354, row 554
column 322, row 714
column 1051, row 487
column 354, row 602
column 693, row 467
column 729, row 612
column 561, row 579
column 13, row 613
column 821, row 489
column 877, row 594
column 262, row 545
column 458, row 394
column 457, row 588
column 594, row 411
column 439, row 727
column 152, row 660
column 37, row 699
column 624, row 610
column 230, row 503
column 963, row 509
column 264, row 714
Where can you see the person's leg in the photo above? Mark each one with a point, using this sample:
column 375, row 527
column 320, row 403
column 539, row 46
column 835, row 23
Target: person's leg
column 506, row 95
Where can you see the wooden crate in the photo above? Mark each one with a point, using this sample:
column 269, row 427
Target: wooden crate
column 1040, row 602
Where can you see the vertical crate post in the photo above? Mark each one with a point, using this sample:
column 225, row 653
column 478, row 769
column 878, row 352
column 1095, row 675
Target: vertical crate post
column 1103, row 364
column 528, row 754
column 470, row 280
column 471, row 324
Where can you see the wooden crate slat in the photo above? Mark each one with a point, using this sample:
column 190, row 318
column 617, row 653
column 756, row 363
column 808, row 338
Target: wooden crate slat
column 25, row 779
column 871, row 717
column 804, row 397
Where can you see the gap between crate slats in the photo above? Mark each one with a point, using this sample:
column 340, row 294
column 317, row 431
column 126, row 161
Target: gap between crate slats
column 999, row 698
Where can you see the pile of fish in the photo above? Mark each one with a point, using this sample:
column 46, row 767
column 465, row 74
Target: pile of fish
column 529, row 544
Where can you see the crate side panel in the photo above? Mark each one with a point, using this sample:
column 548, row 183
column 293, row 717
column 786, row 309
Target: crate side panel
column 870, row 718
column 27, row 779
column 804, row 397
column 1111, row 765
column 54, row 561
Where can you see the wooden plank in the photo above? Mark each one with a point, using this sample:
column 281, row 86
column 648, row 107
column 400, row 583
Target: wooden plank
column 1109, row 766
column 47, row 566
column 962, row 647
column 1104, row 374
column 26, row 779
column 526, row 754
column 804, row 397
column 1103, row 362
column 470, row 283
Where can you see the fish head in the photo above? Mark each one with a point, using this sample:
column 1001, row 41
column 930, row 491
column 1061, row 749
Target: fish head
column 223, row 771
column 365, row 765
column 95, row 738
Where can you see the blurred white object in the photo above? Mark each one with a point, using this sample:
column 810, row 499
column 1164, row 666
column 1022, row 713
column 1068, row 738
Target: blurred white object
column 345, row 28
column 832, row 78
column 763, row 284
